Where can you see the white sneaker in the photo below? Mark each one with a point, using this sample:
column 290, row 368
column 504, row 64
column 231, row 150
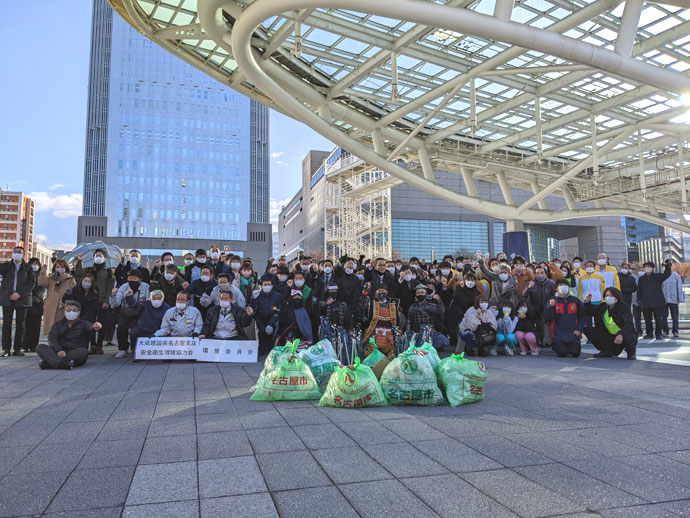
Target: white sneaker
column 121, row 354
column 523, row 353
column 509, row 350
column 535, row 352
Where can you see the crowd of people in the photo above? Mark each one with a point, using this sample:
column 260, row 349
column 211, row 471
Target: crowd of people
column 476, row 305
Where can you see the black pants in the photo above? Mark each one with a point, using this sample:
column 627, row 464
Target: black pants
column 8, row 313
column 658, row 314
column 107, row 319
column 563, row 349
column 265, row 343
column 673, row 310
column 32, row 327
column 637, row 316
column 604, row 342
column 124, row 324
column 78, row 355
column 139, row 332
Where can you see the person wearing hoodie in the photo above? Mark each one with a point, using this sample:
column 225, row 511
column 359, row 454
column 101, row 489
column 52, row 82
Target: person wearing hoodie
column 614, row 328
column 674, row 295
column 266, row 311
column 134, row 263
column 151, row 313
column 565, row 313
column 650, row 295
column 503, row 284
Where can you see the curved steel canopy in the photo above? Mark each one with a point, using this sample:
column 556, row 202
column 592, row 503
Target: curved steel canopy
column 587, row 100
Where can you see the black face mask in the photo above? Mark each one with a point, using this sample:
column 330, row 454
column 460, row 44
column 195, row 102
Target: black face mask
column 133, row 285
column 420, row 298
column 296, row 303
column 381, row 296
column 333, row 294
column 467, row 266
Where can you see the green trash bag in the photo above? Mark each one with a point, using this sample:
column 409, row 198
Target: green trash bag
column 321, row 359
column 410, row 380
column 427, row 350
column 274, row 358
column 376, row 360
column 354, row 386
column 292, row 380
column 463, row 380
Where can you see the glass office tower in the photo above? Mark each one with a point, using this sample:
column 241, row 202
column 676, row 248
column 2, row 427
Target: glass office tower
column 170, row 152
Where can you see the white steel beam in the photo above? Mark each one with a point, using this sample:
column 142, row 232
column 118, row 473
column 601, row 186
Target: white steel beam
column 503, row 9
column 284, row 31
column 643, row 180
column 628, row 27
column 425, row 161
column 681, row 174
column 534, row 183
column 505, row 188
column 470, row 186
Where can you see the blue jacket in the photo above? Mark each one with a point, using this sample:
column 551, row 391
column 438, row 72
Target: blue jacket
column 150, row 317
column 564, row 318
column 198, row 287
column 263, row 305
column 673, row 289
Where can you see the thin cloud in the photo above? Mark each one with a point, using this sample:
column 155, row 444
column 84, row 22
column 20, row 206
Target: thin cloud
column 56, row 186
column 281, row 163
column 277, row 154
column 276, row 207
column 60, row 206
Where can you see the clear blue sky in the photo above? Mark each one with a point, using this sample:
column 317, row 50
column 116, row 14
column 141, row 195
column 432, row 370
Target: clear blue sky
column 45, row 63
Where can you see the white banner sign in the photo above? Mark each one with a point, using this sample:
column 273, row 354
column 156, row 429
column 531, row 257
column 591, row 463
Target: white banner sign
column 183, row 348
column 235, row 351
column 167, row 348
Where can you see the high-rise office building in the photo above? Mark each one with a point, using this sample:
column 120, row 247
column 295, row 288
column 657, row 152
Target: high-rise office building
column 170, row 153
column 16, row 222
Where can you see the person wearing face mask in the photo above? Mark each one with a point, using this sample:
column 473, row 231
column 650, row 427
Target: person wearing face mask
column 334, row 315
column 608, row 272
column 465, row 292
column 349, row 286
column 159, row 266
column 281, row 281
column 59, row 283
column 650, row 295
column 635, row 272
column 265, row 308
column 506, row 320
column 614, row 329
column 537, row 295
column 188, row 261
column 674, row 295
column 183, row 320
column 86, row 293
column 133, row 263
column 578, row 267
column 318, row 282
column 227, row 321
column 566, row 316
column 529, row 329
column 479, row 314
column 628, row 284
column 150, row 314
column 521, row 274
column 444, row 283
column 299, row 282
column 68, row 340
column 224, row 284
column 127, row 298
column 193, row 271
column 170, row 283
column 404, row 288
column 203, row 288
column 215, row 260
column 381, row 275
column 503, row 284
column 247, row 280
column 294, row 321
column 18, row 282
column 567, row 270
column 34, row 313
column 428, row 313
column 234, row 263
column 590, row 282
column 103, row 281
column 384, row 314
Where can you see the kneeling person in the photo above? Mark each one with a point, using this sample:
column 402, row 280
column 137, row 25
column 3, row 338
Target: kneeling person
column 614, row 329
column 566, row 314
column 68, row 340
column 184, row 320
column 227, row 320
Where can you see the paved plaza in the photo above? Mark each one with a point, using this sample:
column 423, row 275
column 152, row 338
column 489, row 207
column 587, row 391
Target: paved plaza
column 554, row 437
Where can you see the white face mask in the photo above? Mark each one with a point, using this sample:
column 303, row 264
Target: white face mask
column 563, row 290
column 409, row 277
column 522, row 311
column 415, row 266
column 564, row 272
column 156, row 303
column 71, row 315
column 433, row 271
column 445, row 272
column 166, row 263
column 602, row 262
column 519, row 267
column 470, row 284
column 181, row 306
column 349, row 270
column 360, row 276
column 299, row 283
column 235, row 266
column 17, row 256
column 327, row 270
column 134, row 260
column 86, row 285
column 398, row 266
column 98, row 259
column 391, row 269
column 225, row 304
column 611, row 301
column 506, row 311
column 624, row 271
column 494, row 268
column 282, row 278
column 503, row 276
column 188, row 261
column 590, row 270
column 35, row 267
column 558, row 265
column 577, row 265
column 205, row 278
column 483, row 305
column 201, row 260
column 169, row 276
column 215, row 255
column 267, row 289
column 59, row 271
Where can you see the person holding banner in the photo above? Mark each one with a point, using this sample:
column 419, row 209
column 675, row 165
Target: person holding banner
column 227, row 320
column 265, row 308
column 68, row 340
column 151, row 313
column 182, row 320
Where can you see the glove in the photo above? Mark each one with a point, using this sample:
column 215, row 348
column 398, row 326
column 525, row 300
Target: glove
column 269, row 330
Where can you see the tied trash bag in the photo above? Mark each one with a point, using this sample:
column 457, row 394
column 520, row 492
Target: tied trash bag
column 292, row 380
column 354, row 386
column 428, row 351
column 410, row 380
column 376, row 359
column 463, row 380
column 321, row 359
column 277, row 355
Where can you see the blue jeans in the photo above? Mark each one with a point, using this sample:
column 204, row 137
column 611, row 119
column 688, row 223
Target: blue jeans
column 438, row 340
column 509, row 339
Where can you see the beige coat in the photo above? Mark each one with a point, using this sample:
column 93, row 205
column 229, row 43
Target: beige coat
column 56, row 287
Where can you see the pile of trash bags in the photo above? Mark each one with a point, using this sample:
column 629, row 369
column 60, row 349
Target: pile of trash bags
column 417, row 376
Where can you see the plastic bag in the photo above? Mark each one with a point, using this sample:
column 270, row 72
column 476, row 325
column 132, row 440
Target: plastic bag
column 410, row 380
column 274, row 358
column 376, row 359
column 321, row 359
column 463, row 380
column 428, row 351
column 292, row 380
column 354, row 386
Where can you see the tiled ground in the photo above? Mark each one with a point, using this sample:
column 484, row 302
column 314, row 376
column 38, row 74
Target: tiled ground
column 553, row 438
